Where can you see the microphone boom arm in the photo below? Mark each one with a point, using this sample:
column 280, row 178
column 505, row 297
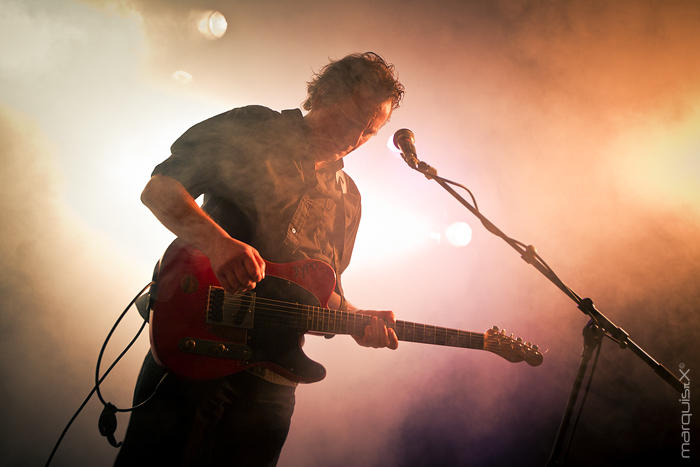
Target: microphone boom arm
column 530, row 256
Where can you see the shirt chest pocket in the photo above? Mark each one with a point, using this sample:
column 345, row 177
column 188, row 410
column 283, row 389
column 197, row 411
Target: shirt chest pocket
column 310, row 230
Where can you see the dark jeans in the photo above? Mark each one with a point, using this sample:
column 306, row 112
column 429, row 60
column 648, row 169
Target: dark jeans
column 240, row 420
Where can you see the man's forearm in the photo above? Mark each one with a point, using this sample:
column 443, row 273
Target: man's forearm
column 237, row 265
column 177, row 210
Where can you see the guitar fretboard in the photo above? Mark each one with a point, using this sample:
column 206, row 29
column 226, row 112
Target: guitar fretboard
column 324, row 320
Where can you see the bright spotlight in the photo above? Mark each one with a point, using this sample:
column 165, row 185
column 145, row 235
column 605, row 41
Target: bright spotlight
column 212, row 25
column 459, row 234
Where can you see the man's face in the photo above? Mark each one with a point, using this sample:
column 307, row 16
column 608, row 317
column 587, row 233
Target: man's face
column 350, row 124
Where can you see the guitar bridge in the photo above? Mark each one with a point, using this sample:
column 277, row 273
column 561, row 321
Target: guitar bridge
column 233, row 310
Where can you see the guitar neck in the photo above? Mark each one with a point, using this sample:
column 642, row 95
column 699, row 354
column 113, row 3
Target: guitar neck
column 243, row 310
column 342, row 322
column 437, row 335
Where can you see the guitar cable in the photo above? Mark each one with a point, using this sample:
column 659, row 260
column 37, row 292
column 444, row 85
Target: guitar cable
column 108, row 422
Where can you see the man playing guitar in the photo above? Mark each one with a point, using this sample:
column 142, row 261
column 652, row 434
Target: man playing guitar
column 274, row 190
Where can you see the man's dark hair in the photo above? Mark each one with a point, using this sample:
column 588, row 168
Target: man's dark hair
column 366, row 74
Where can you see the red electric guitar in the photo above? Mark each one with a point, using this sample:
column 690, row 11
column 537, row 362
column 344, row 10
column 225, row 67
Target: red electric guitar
column 200, row 331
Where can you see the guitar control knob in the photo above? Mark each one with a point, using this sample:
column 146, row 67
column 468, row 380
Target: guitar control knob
column 221, row 348
column 189, row 344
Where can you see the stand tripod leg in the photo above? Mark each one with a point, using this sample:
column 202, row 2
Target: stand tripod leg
column 592, row 338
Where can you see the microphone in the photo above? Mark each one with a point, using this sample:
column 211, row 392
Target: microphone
column 406, row 142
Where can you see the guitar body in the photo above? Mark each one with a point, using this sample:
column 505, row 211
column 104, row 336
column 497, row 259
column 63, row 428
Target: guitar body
column 198, row 331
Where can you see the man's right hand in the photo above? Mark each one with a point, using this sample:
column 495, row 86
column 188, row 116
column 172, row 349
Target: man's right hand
column 237, row 265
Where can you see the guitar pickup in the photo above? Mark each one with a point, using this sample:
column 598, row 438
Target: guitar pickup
column 234, row 310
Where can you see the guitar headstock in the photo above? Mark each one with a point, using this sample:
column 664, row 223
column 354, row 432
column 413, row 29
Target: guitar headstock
column 511, row 348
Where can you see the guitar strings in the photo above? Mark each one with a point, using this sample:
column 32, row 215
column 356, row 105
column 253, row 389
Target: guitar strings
column 326, row 314
column 282, row 312
column 488, row 342
column 286, row 313
column 276, row 315
column 476, row 342
column 328, row 317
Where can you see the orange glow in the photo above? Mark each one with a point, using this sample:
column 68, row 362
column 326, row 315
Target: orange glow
column 659, row 162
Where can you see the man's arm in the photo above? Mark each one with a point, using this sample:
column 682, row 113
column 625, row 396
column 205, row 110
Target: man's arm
column 237, row 265
column 376, row 334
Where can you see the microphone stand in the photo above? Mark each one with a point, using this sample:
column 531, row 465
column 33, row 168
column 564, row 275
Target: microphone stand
column 598, row 325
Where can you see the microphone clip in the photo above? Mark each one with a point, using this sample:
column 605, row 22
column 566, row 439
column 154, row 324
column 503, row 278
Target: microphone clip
column 427, row 170
column 410, row 159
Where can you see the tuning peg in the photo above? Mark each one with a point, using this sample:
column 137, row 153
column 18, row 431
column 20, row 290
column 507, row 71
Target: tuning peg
column 527, row 344
column 534, row 347
column 519, row 339
column 495, row 328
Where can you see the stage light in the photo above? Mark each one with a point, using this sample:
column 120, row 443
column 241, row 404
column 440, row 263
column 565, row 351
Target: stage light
column 212, row 24
column 459, row 234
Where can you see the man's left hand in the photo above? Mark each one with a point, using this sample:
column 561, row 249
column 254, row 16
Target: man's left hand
column 377, row 334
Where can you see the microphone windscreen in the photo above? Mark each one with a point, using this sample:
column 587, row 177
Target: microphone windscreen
column 404, row 134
